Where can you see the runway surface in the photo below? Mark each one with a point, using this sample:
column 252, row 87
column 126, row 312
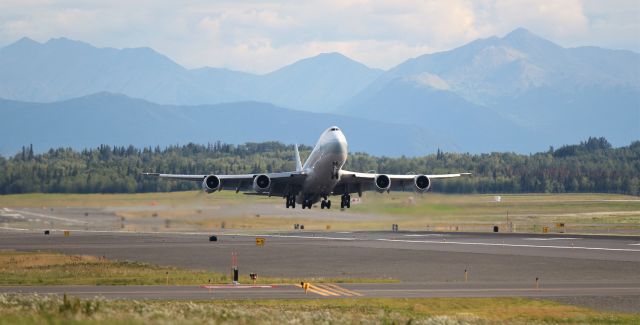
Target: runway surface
column 428, row 264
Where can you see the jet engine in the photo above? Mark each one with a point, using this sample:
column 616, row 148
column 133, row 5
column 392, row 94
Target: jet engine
column 261, row 183
column 383, row 183
column 421, row 183
column 211, row 183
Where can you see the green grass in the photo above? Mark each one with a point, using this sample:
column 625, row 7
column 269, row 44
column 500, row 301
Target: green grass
column 411, row 210
column 18, row 309
column 42, row 268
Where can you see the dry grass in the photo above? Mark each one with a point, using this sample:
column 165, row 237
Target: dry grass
column 16, row 309
column 172, row 199
column 44, row 268
column 582, row 213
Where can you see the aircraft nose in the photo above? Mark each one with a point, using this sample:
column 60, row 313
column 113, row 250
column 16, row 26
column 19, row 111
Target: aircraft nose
column 339, row 142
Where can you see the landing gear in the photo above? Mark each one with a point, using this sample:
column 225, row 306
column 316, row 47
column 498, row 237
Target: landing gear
column 335, row 173
column 345, row 201
column 325, row 204
column 291, row 201
column 306, row 203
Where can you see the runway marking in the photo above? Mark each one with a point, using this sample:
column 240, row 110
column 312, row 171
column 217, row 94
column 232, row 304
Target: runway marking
column 318, row 290
column 46, row 216
column 11, row 215
column 11, row 228
column 330, row 289
column 344, row 290
column 638, row 244
column 509, row 245
column 553, row 238
column 238, row 286
column 425, row 235
column 501, row 289
column 304, row 237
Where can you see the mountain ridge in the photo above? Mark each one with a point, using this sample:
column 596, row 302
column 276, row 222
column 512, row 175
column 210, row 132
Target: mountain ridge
column 519, row 92
column 62, row 68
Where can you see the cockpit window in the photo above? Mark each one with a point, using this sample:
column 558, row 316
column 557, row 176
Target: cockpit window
column 335, row 129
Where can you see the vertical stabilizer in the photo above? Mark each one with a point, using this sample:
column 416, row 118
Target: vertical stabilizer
column 298, row 162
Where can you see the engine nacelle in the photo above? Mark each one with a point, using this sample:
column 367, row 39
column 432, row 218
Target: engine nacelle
column 421, row 183
column 383, row 183
column 261, row 183
column 211, row 183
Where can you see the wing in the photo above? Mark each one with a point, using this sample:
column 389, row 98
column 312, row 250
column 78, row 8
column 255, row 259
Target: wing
column 281, row 183
column 354, row 182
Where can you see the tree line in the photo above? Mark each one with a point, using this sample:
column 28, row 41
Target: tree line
column 591, row 166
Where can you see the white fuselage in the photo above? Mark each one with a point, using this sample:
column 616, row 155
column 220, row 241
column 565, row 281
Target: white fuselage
column 323, row 165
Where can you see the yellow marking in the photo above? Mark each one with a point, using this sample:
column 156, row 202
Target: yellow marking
column 308, row 288
column 346, row 291
column 317, row 288
column 337, row 289
column 260, row 241
column 328, row 289
column 318, row 292
column 325, row 288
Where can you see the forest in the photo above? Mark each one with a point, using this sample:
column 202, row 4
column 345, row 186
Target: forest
column 593, row 166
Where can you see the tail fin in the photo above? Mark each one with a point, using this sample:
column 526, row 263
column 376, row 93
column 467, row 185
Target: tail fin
column 298, row 162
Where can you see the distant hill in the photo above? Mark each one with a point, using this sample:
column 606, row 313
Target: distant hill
column 521, row 81
column 63, row 69
column 119, row 120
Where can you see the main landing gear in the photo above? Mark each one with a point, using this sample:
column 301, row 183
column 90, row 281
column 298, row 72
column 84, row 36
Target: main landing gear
column 325, row 204
column 291, row 201
column 345, row 201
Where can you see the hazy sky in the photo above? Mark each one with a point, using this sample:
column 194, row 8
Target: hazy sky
column 260, row 36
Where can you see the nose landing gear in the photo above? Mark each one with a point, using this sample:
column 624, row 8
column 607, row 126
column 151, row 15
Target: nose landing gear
column 307, row 204
column 335, row 170
column 325, row 204
column 291, row 201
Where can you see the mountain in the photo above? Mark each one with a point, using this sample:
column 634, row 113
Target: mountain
column 317, row 84
column 63, row 69
column 519, row 92
column 539, row 92
column 106, row 118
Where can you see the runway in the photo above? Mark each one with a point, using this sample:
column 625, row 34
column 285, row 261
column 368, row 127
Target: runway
column 428, row 264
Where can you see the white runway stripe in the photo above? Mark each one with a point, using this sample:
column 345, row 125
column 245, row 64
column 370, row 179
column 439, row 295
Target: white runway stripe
column 552, row 238
column 425, row 235
column 510, row 245
column 305, row 237
column 46, row 216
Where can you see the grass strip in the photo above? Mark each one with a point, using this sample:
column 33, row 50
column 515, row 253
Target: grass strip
column 50, row 268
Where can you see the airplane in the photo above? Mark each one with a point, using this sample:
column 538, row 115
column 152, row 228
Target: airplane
column 320, row 177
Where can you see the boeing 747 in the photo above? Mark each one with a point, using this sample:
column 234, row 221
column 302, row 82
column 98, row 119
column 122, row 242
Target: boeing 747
column 320, row 177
